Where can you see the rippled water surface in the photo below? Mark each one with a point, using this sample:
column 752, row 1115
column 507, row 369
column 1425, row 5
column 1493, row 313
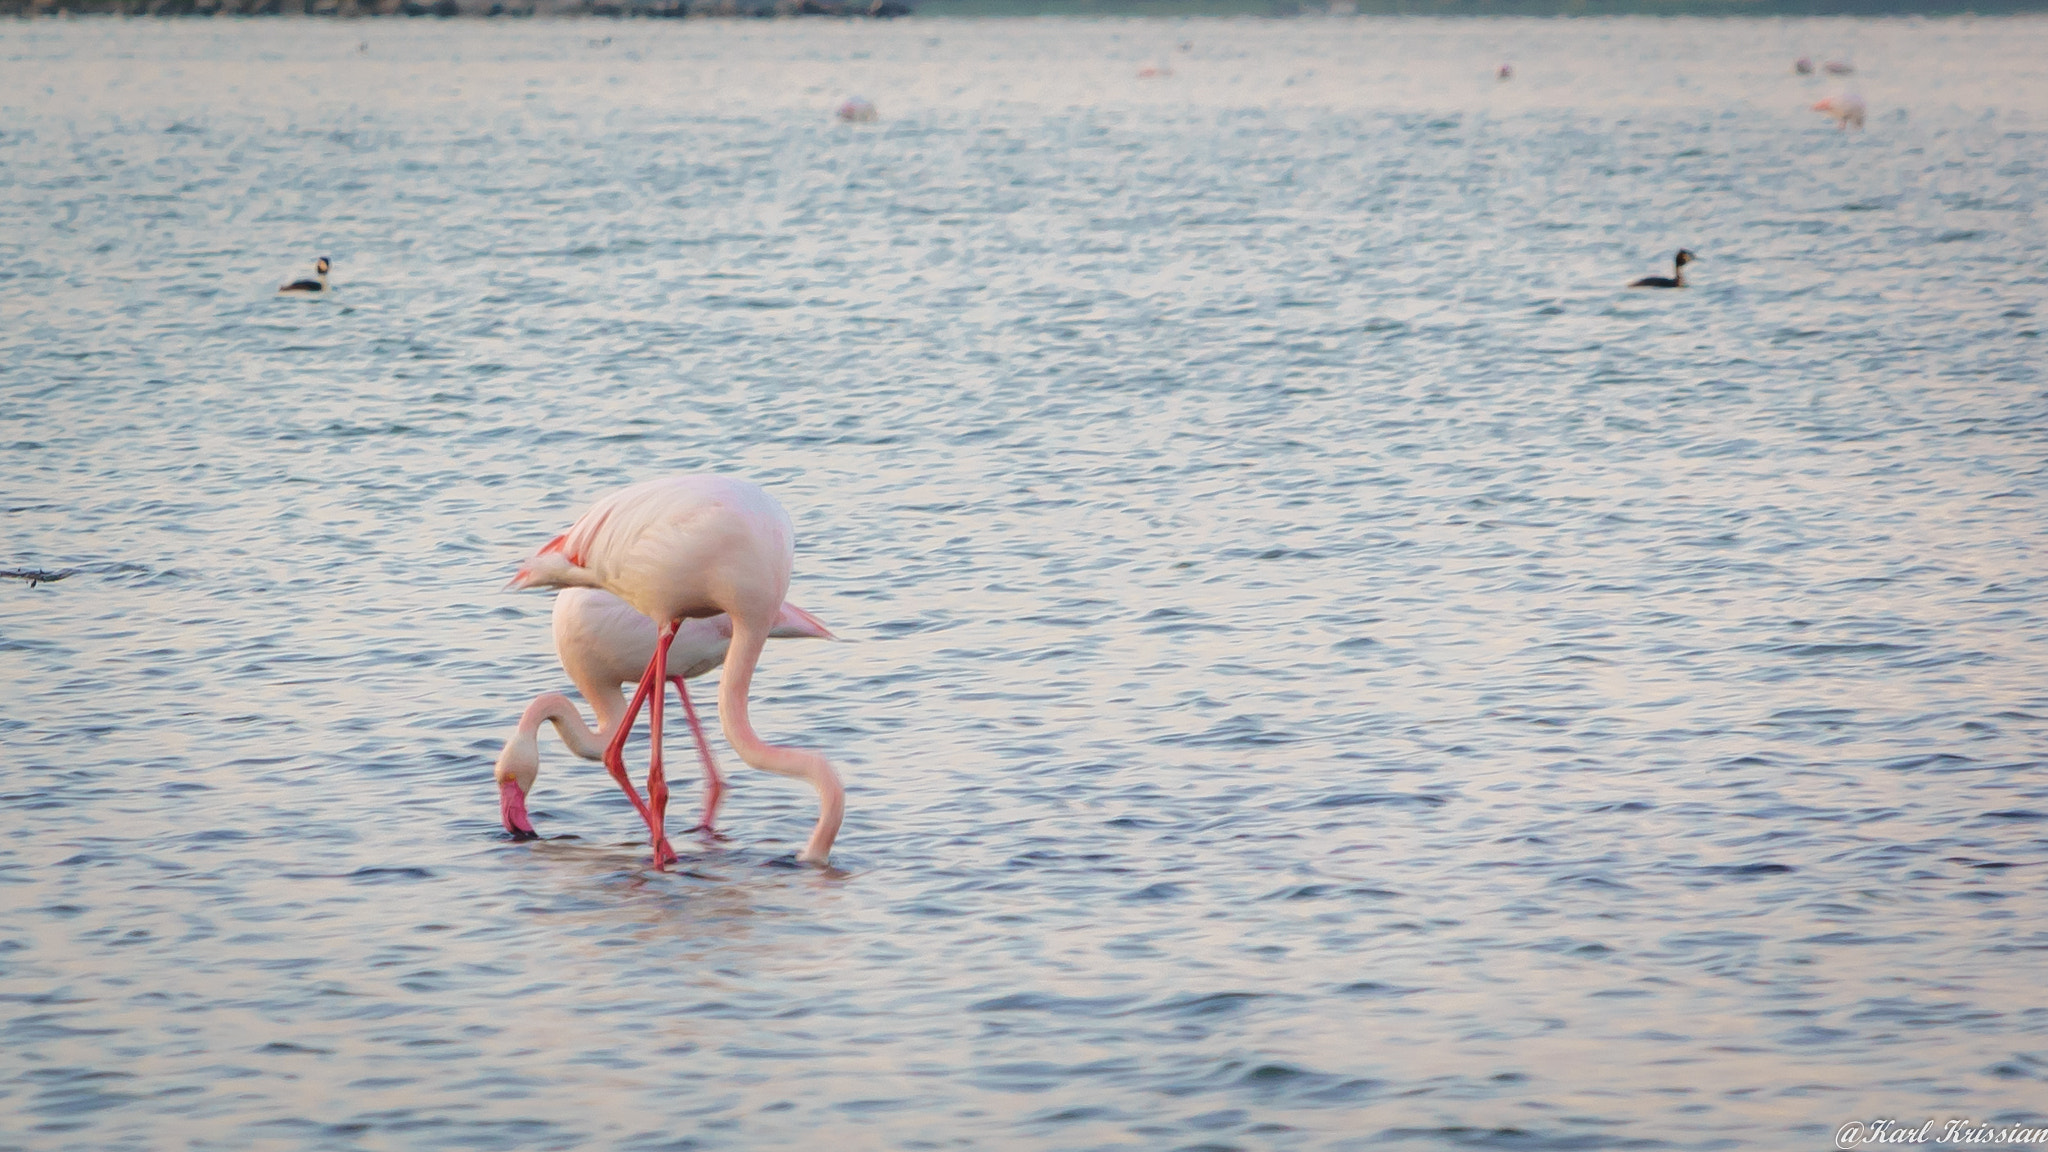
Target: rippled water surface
column 1328, row 667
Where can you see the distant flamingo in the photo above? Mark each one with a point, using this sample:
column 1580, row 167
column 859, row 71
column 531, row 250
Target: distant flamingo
column 602, row 643
column 1847, row 109
column 683, row 548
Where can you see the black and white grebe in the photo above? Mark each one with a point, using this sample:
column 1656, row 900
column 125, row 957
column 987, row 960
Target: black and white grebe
column 319, row 285
column 1675, row 280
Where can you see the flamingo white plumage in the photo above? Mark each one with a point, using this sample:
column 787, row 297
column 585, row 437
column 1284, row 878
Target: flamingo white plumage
column 683, row 548
column 1847, row 109
column 603, row 643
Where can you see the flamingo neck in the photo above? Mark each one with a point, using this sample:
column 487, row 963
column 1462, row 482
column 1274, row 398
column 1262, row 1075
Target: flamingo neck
column 583, row 740
column 748, row 638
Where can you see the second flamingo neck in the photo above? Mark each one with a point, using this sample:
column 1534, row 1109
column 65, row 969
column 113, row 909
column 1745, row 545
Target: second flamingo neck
column 583, row 740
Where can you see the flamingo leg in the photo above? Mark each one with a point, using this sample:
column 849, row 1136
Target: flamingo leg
column 657, row 784
column 714, row 786
column 615, row 752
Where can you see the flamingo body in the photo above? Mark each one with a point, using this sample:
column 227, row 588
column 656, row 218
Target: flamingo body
column 682, row 548
column 676, row 549
column 1847, row 110
column 603, row 643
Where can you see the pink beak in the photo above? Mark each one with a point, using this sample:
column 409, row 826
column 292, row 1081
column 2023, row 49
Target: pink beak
column 512, row 806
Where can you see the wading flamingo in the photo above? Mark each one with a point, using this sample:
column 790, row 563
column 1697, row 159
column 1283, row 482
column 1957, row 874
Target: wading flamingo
column 1847, row 109
column 683, row 548
column 602, row 643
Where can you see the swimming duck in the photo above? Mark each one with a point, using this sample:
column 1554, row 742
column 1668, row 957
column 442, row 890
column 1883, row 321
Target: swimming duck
column 1675, row 280
column 319, row 285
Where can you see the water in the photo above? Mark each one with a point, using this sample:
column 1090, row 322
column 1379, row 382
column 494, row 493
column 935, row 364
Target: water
column 1328, row 668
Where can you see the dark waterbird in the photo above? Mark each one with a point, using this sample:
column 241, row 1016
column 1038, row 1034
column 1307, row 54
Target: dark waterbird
column 320, row 266
column 35, row 576
column 1675, row 280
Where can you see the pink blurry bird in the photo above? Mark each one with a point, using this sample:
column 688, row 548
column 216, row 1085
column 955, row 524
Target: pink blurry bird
column 1847, row 109
column 678, row 549
column 602, row 643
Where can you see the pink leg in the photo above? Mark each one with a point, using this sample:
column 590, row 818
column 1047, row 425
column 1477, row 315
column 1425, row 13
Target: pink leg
column 615, row 752
column 714, row 787
column 657, row 784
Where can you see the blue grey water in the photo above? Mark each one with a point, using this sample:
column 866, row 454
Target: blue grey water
column 1327, row 666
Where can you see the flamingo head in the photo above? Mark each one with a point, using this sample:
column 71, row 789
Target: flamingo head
column 551, row 567
column 795, row 623
column 518, row 765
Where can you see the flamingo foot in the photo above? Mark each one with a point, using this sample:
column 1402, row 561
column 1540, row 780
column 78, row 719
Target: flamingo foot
column 664, row 855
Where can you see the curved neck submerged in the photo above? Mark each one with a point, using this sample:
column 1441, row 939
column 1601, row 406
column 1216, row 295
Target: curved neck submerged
column 748, row 639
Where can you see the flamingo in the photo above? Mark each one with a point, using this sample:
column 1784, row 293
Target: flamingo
column 1847, row 109
column 683, row 548
column 603, row 643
